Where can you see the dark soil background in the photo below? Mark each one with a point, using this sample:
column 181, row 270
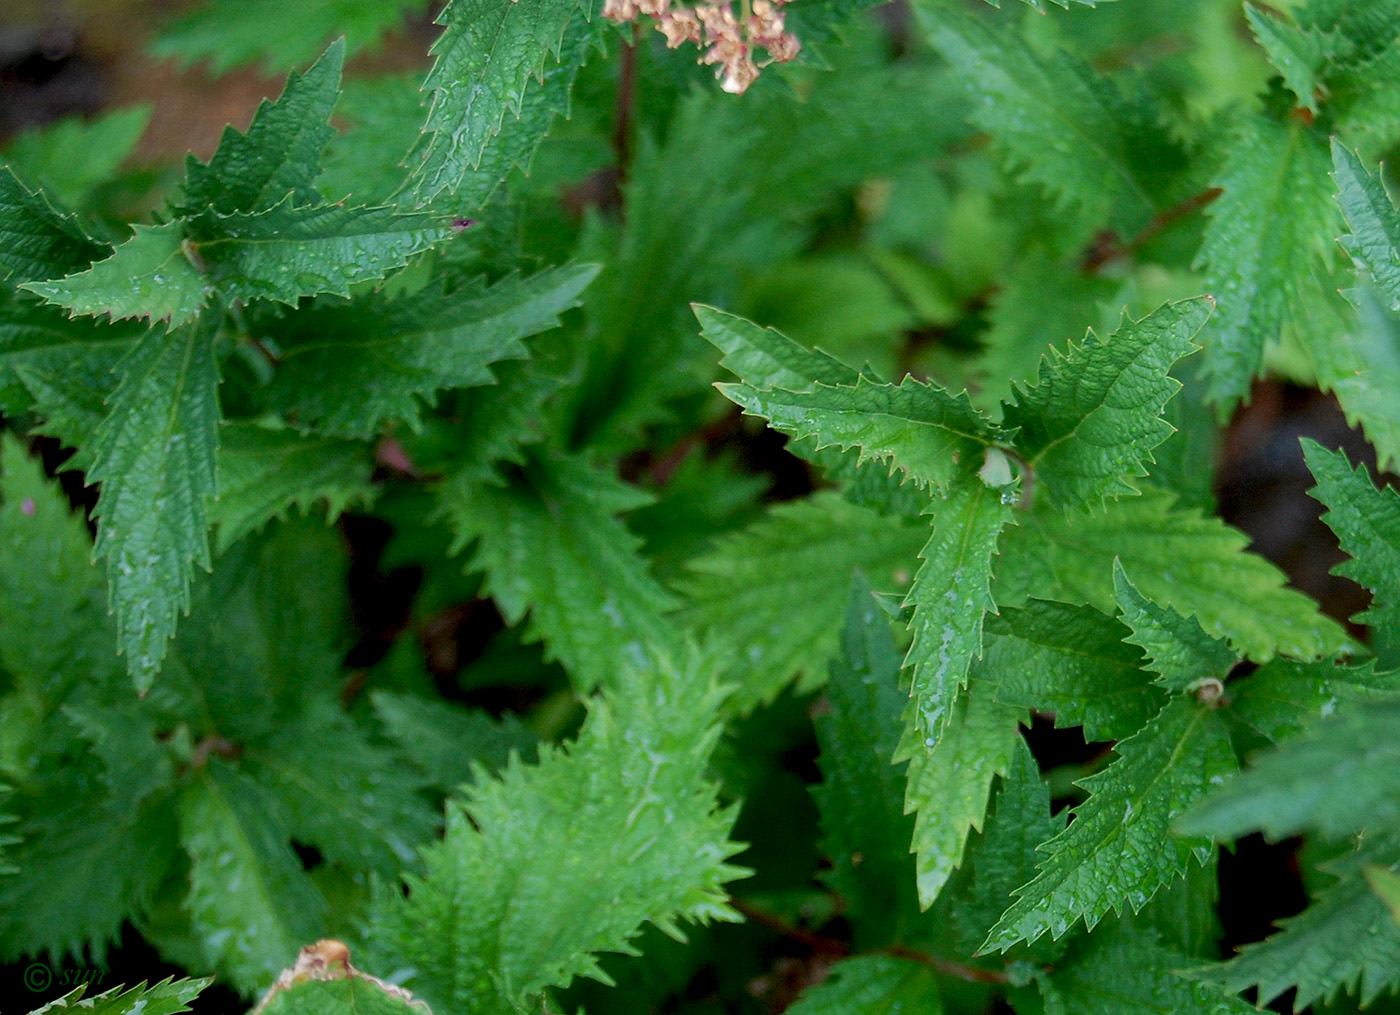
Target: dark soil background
column 85, row 56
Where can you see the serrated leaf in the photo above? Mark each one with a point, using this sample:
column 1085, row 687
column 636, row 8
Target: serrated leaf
column 150, row 276
column 1359, row 362
column 1269, row 231
column 551, row 545
column 1072, row 661
column 250, row 903
column 341, row 793
column 740, row 593
column 487, row 54
column 865, row 832
column 1367, row 523
column 950, row 780
column 284, row 253
column 1298, row 54
column 168, row 997
column 153, row 458
column 873, row 985
column 83, row 867
column 520, row 136
column 279, row 156
column 1070, row 131
column 263, row 473
column 1089, row 425
column 916, row 427
column 765, row 357
column 1178, row 651
column 1283, row 697
column 276, row 34
column 550, row 864
column 50, row 592
column 1118, row 849
column 1179, row 558
column 1374, row 240
column 1127, row 971
column 1345, row 939
column 347, row 369
column 1340, row 776
column 950, row 596
column 1004, row 856
column 447, row 744
column 37, row 240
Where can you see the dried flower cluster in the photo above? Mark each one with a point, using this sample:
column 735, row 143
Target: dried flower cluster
column 728, row 41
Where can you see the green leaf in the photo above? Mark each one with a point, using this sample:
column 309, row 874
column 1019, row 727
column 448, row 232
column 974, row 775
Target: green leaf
column 1179, row 558
column 514, row 147
column 448, row 745
column 1298, row 54
column 280, row 154
column 950, row 780
column 48, row 347
column 81, row 870
column 150, row 276
column 550, row 864
column 950, row 596
column 383, row 113
column 168, row 997
column 73, row 156
column 873, row 985
column 1374, row 240
column 765, row 357
column 1284, row 697
column 1027, row 316
column 1178, row 651
column 1090, row 424
column 1004, row 856
column 1269, row 232
column 341, row 793
column 1072, row 661
column 1125, row 971
column 866, row 833
column 1069, row 130
column 1386, row 885
column 1341, row 776
column 277, row 34
column 740, row 594
column 487, row 54
column 250, row 903
column 1367, row 523
column 50, row 592
column 264, row 472
column 1118, row 849
column 153, row 457
column 351, row 995
column 37, row 240
column 1359, row 362
column 1346, row 939
column 348, row 368
column 551, row 545
column 286, row 252
column 917, row 427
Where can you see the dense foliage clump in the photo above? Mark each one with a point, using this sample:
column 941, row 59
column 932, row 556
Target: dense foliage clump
column 676, row 709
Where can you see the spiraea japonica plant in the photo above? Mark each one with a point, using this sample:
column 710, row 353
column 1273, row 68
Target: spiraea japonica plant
column 697, row 696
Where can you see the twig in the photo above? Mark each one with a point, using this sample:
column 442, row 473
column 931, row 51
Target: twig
column 1102, row 253
column 822, row 944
